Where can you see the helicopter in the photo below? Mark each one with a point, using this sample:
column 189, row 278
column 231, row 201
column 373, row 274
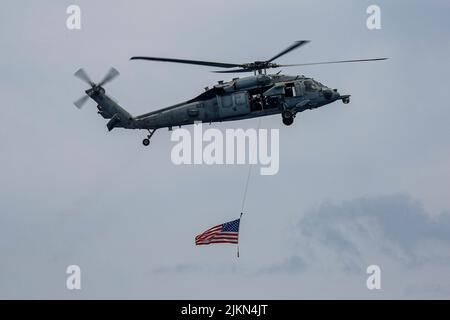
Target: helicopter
column 257, row 95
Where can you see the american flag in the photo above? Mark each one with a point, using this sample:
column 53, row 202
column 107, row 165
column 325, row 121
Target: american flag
column 227, row 232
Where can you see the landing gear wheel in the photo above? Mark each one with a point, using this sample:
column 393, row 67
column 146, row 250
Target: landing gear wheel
column 287, row 114
column 146, row 141
column 288, row 117
column 288, row 121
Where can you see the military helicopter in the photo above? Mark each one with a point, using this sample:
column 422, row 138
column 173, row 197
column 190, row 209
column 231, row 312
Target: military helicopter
column 258, row 95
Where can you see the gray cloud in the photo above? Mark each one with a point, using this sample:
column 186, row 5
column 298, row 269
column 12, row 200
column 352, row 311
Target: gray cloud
column 369, row 230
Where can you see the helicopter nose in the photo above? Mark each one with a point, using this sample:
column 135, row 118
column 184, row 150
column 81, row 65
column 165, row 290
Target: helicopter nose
column 336, row 94
column 328, row 94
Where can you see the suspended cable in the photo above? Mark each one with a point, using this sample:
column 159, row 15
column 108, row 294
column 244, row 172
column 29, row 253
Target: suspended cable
column 250, row 166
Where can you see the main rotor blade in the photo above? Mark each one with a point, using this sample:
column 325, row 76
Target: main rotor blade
column 329, row 62
column 196, row 62
column 82, row 75
column 233, row 71
column 81, row 101
column 112, row 73
column 293, row 46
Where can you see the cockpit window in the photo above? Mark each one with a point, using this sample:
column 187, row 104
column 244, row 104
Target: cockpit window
column 319, row 84
column 310, row 85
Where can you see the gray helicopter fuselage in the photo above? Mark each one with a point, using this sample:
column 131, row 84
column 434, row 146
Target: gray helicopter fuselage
column 242, row 98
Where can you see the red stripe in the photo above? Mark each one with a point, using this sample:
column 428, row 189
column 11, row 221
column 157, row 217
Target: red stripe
column 224, row 241
column 225, row 237
column 218, row 239
column 213, row 229
column 214, row 241
column 209, row 235
column 219, row 235
column 229, row 233
column 226, row 234
column 206, row 239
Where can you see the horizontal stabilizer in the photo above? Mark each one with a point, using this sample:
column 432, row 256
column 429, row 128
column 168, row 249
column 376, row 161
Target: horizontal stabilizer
column 113, row 122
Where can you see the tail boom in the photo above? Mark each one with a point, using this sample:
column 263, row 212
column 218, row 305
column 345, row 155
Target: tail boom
column 109, row 109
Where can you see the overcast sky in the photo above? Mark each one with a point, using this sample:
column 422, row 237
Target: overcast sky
column 359, row 184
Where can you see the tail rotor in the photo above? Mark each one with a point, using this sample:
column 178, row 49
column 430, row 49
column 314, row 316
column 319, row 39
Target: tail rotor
column 110, row 76
column 83, row 76
column 81, row 101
